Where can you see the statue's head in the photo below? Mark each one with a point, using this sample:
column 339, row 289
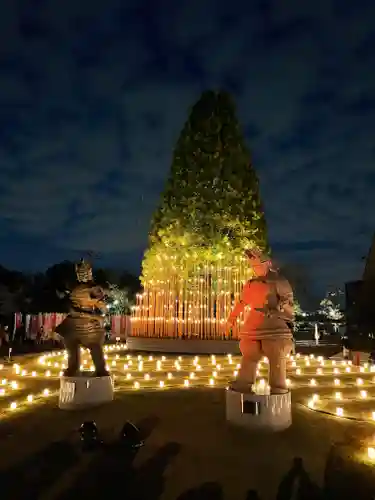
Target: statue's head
column 258, row 261
column 84, row 272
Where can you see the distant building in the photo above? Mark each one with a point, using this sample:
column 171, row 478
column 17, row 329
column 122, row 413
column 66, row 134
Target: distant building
column 360, row 299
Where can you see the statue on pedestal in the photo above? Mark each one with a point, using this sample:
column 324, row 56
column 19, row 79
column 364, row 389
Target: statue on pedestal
column 84, row 325
column 267, row 329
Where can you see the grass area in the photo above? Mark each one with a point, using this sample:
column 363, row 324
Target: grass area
column 188, row 443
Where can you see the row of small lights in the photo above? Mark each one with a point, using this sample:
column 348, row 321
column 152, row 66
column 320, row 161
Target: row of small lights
column 193, row 376
column 339, row 411
column 186, row 383
column 159, row 366
column 31, row 398
column 140, row 368
column 177, row 366
column 14, row 385
column 229, row 359
column 307, row 360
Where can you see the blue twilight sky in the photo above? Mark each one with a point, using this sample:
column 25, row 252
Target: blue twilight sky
column 93, row 95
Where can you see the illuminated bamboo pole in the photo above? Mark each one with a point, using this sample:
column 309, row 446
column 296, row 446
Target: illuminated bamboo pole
column 150, row 316
column 172, row 306
column 217, row 300
column 167, row 318
column 153, row 331
column 134, row 320
column 169, row 308
column 189, row 318
column 140, row 315
column 136, row 323
column 190, row 305
column 180, row 308
column 192, row 302
column 238, row 292
column 227, row 287
column 175, row 306
column 217, row 291
column 165, row 309
column 162, row 311
column 173, row 296
column 207, row 300
column 167, row 300
column 196, row 304
column 199, row 303
column 231, row 289
column 212, row 301
column 134, row 317
column 148, row 311
column 159, row 311
column 174, row 312
column 156, row 311
column 192, row 324
column 186, row 310
column 223, row 312
column 203, row 302
column 221, row 301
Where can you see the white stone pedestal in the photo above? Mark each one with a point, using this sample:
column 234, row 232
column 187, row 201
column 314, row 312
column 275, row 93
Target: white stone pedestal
column 81, row 392
column 271, row 412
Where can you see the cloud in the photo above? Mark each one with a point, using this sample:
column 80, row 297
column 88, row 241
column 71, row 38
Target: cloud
column 92, row 100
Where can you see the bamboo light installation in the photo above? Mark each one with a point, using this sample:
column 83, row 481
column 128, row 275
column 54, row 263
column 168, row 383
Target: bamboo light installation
column 195, row 307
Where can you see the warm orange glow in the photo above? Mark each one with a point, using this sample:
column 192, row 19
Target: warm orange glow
column 197, row 307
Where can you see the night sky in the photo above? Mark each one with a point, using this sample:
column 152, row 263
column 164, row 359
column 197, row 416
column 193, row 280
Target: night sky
column 94, row 95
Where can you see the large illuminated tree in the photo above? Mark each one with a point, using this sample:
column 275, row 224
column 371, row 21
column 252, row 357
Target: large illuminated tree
column 210, row 211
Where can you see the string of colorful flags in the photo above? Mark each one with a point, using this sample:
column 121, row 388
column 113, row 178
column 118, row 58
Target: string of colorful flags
column 33, row 324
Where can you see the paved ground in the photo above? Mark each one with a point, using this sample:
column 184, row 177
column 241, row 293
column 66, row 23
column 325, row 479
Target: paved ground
column 188, row 442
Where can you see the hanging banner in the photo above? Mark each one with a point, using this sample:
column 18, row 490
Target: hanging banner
column 120, row 324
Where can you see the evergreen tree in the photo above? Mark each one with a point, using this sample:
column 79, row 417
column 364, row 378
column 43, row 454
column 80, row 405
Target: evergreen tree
column 211, row 205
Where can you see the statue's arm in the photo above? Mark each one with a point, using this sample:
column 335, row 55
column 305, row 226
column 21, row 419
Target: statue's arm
column 286, row 302
column 240, row 305
column 102, row 306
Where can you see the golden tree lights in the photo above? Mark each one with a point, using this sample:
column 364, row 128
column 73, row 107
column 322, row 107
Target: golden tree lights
column 190, row 299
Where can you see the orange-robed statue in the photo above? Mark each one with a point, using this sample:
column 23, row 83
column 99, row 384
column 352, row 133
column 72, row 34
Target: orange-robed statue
column 267, row 330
